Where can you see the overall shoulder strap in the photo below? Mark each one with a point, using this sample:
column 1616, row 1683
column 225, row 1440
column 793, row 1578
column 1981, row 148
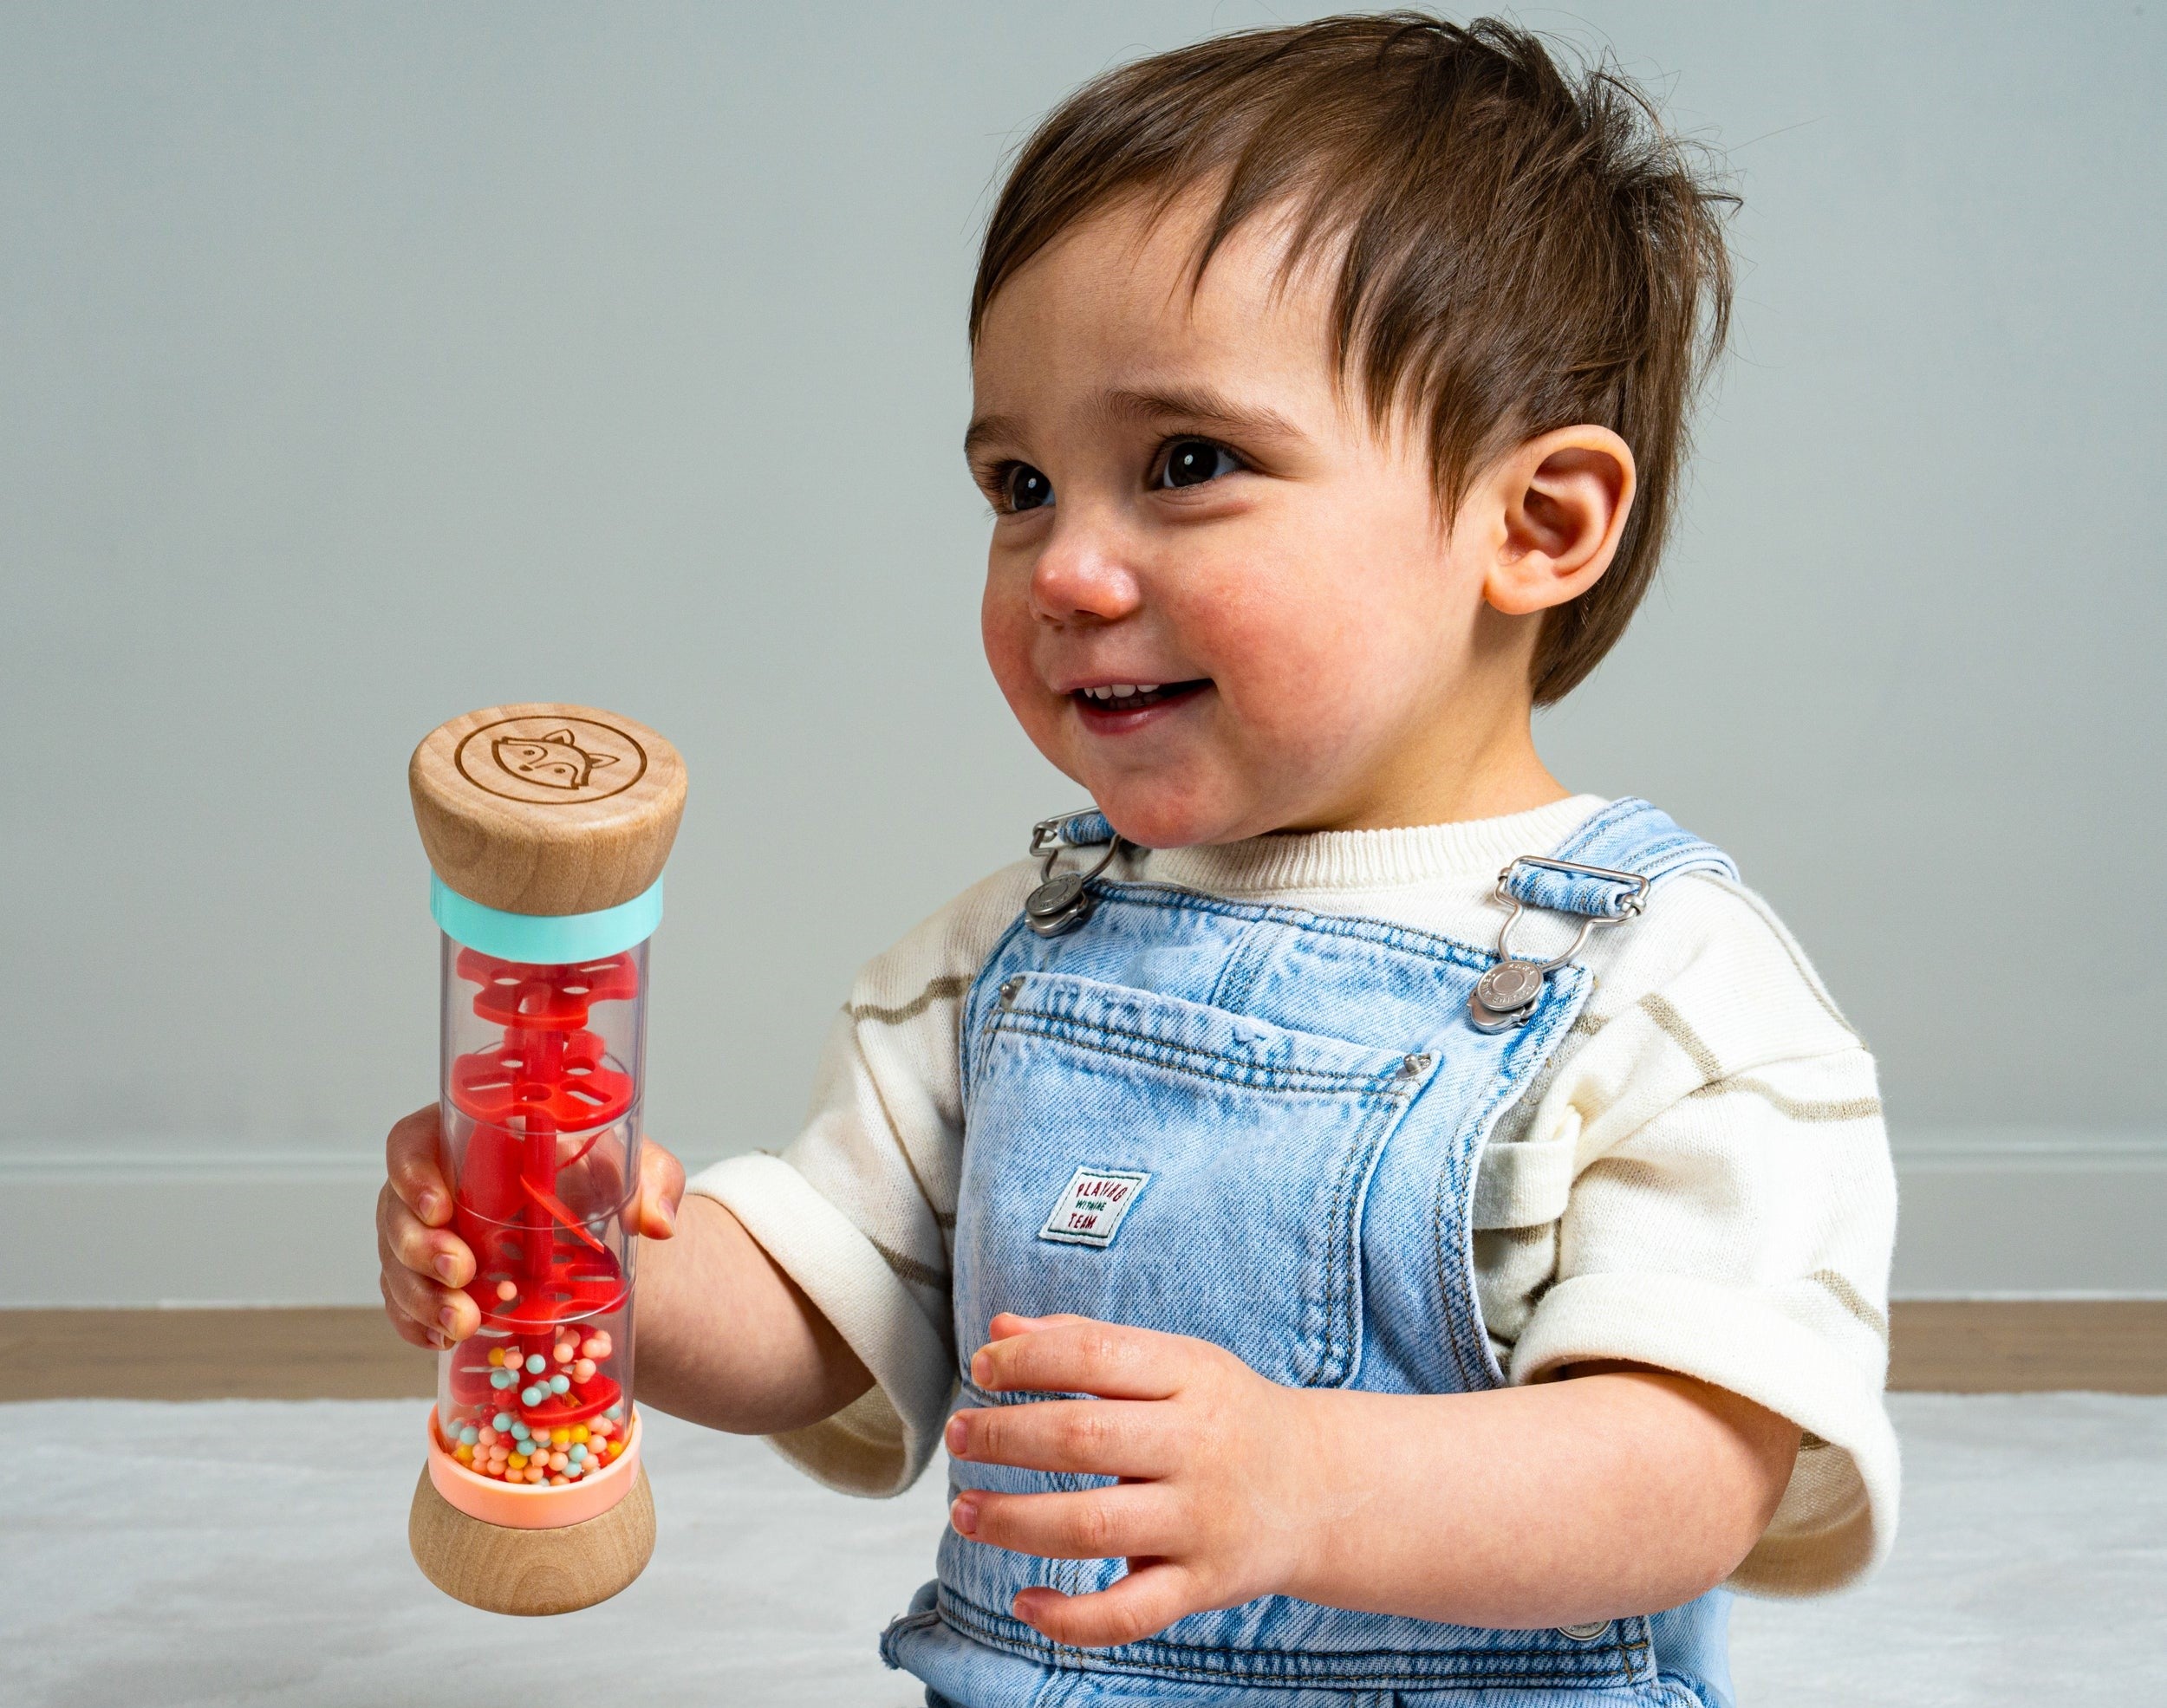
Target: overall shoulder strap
column 1086, row 827
column 1602, row 873
column 1629, row 837
column 1063, row 901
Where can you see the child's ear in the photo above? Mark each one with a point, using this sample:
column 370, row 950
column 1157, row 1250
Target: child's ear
column 1562, row 500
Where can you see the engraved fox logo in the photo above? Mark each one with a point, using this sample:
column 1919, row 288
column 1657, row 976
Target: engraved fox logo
column 555, row 760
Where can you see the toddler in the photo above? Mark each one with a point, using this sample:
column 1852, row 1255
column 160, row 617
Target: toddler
column 1367, row 1224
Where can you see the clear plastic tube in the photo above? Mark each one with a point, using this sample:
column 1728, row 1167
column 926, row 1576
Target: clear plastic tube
column 542, row 1069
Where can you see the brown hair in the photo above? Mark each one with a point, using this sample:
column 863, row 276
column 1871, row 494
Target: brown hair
column 1522, row 250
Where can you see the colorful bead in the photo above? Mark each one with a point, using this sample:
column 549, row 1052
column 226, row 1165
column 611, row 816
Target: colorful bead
column 507, row 1291
column 502, row 1445
column 535, row 1365
column 583, row 1371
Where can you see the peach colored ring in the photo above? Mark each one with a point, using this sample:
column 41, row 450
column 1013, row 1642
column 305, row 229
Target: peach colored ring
column 532, row 1506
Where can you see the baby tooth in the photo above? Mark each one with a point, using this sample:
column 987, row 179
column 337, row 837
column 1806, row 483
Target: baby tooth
column 1122, row 689
column 1147, row 687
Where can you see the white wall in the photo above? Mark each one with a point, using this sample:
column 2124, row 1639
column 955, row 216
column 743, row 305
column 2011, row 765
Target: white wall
column 362, row 364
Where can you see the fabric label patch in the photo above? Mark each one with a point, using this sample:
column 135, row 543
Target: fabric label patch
column 1092, row 1206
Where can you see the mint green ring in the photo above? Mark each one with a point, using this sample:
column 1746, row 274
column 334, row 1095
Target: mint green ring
column 545, row 939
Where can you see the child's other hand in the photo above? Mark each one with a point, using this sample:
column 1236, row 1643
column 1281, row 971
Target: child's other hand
column 425, row 1267
column 1213, row 1508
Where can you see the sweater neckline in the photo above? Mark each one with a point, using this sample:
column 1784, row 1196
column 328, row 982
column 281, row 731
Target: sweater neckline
column 1368, row 859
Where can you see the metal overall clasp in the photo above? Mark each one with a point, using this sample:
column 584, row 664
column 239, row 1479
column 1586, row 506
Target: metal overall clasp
column 1062, row 902
column 1506, row 994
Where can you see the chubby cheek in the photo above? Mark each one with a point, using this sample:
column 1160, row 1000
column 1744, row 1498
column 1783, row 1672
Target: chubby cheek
column 1295, row 666
column 1008, row 631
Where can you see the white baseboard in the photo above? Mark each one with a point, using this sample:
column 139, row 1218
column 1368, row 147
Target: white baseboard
column 159, row 1225
column 1985, row 1212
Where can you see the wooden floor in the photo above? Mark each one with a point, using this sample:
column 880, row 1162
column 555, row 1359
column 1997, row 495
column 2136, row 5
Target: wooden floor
column 317, row 1352
column 2117, row 1346
column 2029, row 1346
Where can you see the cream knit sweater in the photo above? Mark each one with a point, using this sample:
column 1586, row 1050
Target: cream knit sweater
column 1699, row 1180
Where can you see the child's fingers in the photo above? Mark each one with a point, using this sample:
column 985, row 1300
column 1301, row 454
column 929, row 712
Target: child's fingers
column 1078, row 1355
column 661, row 1190
column 409, row 1256
column 436, row 1252
column 405, row 1327
column 1147, row 1601
column 1106, row 1437
column 1007, row 1324
column 414, row 1162
column 1109, row 1523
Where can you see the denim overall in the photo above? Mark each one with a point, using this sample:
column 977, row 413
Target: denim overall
column 1260, row 1127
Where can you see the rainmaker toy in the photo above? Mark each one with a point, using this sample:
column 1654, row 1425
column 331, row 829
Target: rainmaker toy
column 546, row 827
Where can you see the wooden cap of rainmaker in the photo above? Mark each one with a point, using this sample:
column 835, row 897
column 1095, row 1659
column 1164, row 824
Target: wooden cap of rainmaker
column 549, row 809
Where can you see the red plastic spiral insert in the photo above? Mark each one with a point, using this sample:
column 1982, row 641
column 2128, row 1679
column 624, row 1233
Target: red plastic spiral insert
column 540, row 1100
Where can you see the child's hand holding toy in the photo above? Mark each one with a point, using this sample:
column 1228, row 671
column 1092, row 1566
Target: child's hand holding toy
column 426, row 1267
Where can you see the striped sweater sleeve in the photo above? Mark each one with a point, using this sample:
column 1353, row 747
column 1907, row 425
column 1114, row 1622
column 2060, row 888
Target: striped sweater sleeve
column 1704, row 1186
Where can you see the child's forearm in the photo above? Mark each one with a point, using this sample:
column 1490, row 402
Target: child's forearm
column 1619, row 1492
column 728, row 1340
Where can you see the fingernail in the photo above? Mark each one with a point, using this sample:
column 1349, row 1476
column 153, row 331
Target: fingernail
column 669, row 1214
column 964, row 1515
column 448, row 1317
column 956, row 1436
column 446, row 1267
column 432, row 1205
column 438, row 1341
column 981, row 1367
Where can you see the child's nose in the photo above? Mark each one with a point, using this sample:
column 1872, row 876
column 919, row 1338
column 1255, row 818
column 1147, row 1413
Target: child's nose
column 1084, row 576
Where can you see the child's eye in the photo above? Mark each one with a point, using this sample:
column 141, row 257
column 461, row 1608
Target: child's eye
column 1024, row 488
column 1191, row 462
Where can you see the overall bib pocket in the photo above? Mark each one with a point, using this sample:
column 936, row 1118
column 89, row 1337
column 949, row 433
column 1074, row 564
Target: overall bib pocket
column 1142, row 1160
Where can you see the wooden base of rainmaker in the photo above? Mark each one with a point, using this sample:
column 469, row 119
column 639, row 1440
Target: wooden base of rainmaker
column 530, row 1572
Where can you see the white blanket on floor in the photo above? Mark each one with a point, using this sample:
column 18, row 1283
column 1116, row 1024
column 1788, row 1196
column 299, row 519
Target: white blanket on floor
column 254, row 1552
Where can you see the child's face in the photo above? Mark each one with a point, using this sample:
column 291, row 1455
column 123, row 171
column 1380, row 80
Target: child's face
column 1188, row 501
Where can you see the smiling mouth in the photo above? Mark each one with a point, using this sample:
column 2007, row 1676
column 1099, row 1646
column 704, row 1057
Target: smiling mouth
column 1116, row 698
